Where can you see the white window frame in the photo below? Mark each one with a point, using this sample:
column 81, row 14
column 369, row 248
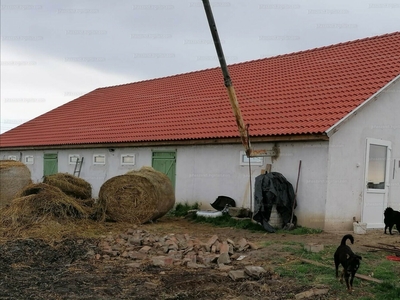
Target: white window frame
column 254, row 161
column 98, row 156
column 72, row 158
column 26, row 159
column 12, row 157
column 128, row 163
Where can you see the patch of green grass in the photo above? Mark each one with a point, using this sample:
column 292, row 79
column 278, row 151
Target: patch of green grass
column 246, row 223
column 380, row 267
column 372, row 263
column 269, row 243
column 182, row 209
column 291, row 243
column 387, row 290
column 300, row 231
column 227, row 221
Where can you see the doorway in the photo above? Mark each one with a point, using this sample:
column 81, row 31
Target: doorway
column 50, row 164
column 376, row 186
column 165, row 162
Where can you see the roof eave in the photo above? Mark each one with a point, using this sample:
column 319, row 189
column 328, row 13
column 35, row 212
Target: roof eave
column 330, row 131
column 211, row 141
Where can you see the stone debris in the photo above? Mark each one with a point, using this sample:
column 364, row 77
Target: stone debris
column 311, row 293
column 314, row 247
column 224, row 259
column 224, row 268
column 134, row 265
column 252, row 246
column 139, row 246
column 145, row 249
column 243, row 245
column 150, row 285
column 237, row 274
column 254, row 271
column 224, row 248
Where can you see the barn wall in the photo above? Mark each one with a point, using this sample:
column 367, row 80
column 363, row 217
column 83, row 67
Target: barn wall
column 378, row 119
column 311, row 196
column 205, row 172
column 96, row 175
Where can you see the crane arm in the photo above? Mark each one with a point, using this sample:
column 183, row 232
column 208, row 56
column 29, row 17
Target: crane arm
column 227, row 79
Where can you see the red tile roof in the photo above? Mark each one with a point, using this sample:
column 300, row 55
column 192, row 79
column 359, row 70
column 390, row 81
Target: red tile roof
column 294, row 94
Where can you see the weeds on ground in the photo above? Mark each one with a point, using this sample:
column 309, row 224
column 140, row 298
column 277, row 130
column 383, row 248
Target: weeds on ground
column 300, row 230
column 373, row 264
column 227, row 221
column 183, row 209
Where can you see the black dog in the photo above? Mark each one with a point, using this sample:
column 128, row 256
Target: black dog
column 351, row 262
column 392, row 217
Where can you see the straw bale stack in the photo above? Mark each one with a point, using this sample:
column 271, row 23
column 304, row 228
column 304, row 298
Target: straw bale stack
column 164, row 189
column 39, row 202
column 126, row 198
column 136, row 197
column 71, row 185
column 14, row 176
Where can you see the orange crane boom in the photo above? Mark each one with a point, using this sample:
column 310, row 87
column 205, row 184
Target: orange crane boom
column 243, row 130
column 227, row 78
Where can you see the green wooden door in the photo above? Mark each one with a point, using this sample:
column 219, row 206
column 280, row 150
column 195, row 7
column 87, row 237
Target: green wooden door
column 165, row 162
column 50, row 164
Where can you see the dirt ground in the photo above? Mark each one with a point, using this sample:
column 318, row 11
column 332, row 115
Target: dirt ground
column 32, row 268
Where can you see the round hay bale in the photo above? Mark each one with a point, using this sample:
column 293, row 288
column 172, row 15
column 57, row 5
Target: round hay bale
column 163, row 187
column 71, row 185
column 38, row 202
column 127, row 198
column 40, row 188
column 14, row 176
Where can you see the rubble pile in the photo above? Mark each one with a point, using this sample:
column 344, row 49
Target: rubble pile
column 139, row 247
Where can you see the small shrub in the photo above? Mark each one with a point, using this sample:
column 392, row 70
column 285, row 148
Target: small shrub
column 227, row 221
column 301, row 230
column 182, row 209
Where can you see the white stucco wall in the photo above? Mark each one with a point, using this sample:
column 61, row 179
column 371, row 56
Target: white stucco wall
column 96, row 175
column 205, row 172
column 378, row 119
column 311, row 195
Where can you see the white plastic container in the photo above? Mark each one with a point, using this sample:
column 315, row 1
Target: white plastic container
column 360, row 228
column 275, row 220
column 208, row 213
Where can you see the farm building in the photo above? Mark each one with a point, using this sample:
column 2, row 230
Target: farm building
column 335, row 108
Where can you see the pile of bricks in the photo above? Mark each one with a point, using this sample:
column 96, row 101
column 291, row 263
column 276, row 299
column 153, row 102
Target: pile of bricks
column 138, row 246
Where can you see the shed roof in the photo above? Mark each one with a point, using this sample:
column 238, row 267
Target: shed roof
column 302, row 93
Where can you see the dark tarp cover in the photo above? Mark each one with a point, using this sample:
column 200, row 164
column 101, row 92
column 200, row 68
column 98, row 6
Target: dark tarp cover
column 273, row 188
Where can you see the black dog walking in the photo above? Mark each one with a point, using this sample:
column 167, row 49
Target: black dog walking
column 350, row 262
column 392, row 217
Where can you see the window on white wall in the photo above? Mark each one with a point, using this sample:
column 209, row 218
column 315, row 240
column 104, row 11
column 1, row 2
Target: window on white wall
column 12, row 157
column 72, row 158
column 29, row 159
column 254, row 161
column 128, row 159
column 99, row 159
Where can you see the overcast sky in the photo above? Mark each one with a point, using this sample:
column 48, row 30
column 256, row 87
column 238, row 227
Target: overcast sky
column 53, row 51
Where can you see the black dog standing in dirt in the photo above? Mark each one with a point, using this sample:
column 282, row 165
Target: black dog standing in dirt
column 392, row 217
column 351, row 262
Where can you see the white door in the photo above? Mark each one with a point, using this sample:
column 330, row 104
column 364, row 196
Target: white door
column 376, row 182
